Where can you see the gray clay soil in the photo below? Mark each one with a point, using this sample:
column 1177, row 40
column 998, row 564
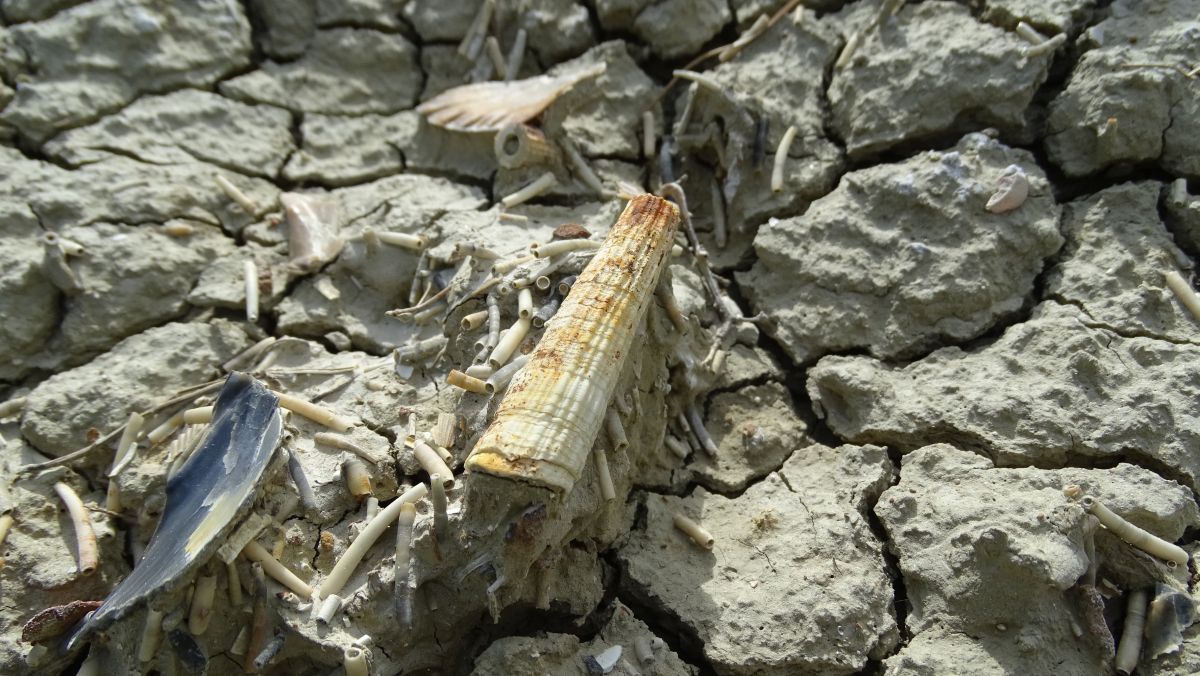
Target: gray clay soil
column 874, row 407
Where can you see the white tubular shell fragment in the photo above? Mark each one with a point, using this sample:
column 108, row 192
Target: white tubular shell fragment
column 474, row 320
column 694, row 531
column 151, row 635
column 354, row 661
column 676, row 446
column 1047, row 46
column 236, row 195
column 200, row 415
column 718, row 211
column 165, row 429
column 358, row 479
column 250, row 277
column 443, row 431
column 402, row 240
column 581, row 168
column 85, row 537
column 461, row 380
column 128, row 443
column 404, row 528
column 431, row 461
column 340, row 442
column 525, row 303
column 603, row 476
column 279, row 572
column 509, row 343
column 562, row 246
column 498, row 381
column 235, row 584
column 1184, row 292
column 1011, row 191
column 12, row 407
column 781, row 155
column 1130, row 647
column 1029, row 34
column 329, row 607
column 544, row 430
column 1143, row 540
column 649, row 132
column 315, row 413
column 543, row 183
column 437, row 498
column 202, row 602
column 370, row 534
column 616, row 431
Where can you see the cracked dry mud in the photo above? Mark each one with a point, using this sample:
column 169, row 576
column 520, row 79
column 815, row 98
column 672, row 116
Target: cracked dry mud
column 898, row 380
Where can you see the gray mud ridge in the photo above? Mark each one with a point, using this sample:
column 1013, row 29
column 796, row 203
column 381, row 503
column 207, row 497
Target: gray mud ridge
column 875, row 416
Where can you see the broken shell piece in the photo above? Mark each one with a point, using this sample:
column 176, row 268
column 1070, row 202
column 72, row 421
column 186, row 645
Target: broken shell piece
column 604, row 662
column 151, row 635
column 358, row 479
column 204, row 499
column 1184, row 292
column 1011, row 191
column 1142, row 539
column 1130, row 647
column 491, row 106
column 519, row 145
column 354, row 661
column 85, row 536
column 443, row 431
column 281, row 573
column 1171, row 612
column 544, row 429
column 694, row 531
column 337, row 577
column 312, row 230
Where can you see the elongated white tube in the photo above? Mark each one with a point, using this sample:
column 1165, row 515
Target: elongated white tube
column 370, row 534
column 676, row 446
column 404, row 527
column 1029, row 33
column 516, row 54
column 781, row 155
column 316, row 413
column 469, row 383
column 329, row 608
column 279, row 572
column 616, row 431
column 250, row 277
column 694, row 531
column 151, row 635
column 85, row 536
column 165, row 429
column 437, row 498
column 509, row 343
column 341, row 442
column 474, row 320
column 354, row 661
column 1130, row 647
column 649, row 132
column 235, row 584
column 499, row 380
column 562, row 246
column 431, row 461
column 125, row 448
column 539, row 186
column 236, row 195
column 1143, row 540
column 603, row 475
column 203, row 595
column 525, row 303
column 200, row 415
column 403, row 240
column 1184, row 292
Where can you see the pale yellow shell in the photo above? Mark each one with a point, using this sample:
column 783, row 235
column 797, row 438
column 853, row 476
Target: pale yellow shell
column 545, row 426
column 491, row 106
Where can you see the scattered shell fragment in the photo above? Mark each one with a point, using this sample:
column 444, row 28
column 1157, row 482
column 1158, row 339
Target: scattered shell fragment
column 491, row 106
column 312, row 230
column 1171, row 612
column 544, row 429
column 519, row 145
column 1011, row 191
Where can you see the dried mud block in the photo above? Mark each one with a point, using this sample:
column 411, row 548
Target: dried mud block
column 1113, row 263
column 1155, row 109
column 133, row 277
column 672, row 29
column 755, row 429
column 992, row 553
column 602, row 115
column 1047, row 16
column 903, row 257
column 29, row 301
column 287, row 26
column 566, row 654
column 795, row 583
column 139, row 372
column 345, row 71
column 101, row 55
column 185, row 127
column 556, row 30
column 745, row 365
column 16, row 11
column 39, row 567
column 342, row 150
column 1049, row 390
column 932, row 71
column 121, row 190
column 437, row 21
column 1181, row 212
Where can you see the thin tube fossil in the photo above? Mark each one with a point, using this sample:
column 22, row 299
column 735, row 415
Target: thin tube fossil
column 1130, row 647
column 694, row 531
column 781, row 155
column 271, row 566
column 370, row 534
column 540, row 185
column 85, row 536
column 1184, row 292
column 250, row 279
column 1142, row 539
column 499, row 380
column 340, row 442
column 128, row 444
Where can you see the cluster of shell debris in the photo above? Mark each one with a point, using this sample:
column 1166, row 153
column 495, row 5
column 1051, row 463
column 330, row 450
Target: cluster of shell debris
column 406, row 336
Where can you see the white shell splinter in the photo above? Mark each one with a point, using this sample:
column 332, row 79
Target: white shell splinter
column 492, row 106
column 1011, row 191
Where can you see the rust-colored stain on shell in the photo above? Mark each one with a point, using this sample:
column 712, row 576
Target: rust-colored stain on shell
column 545, row 427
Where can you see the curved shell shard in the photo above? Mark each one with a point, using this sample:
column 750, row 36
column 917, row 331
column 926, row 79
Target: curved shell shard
column 545, row 427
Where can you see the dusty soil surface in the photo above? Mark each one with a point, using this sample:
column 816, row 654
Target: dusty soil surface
column 927, row 312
